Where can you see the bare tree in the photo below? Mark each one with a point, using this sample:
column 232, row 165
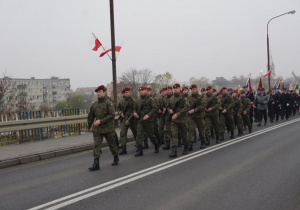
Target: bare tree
column 162, row 80
column 7, row 95
column 136, row 78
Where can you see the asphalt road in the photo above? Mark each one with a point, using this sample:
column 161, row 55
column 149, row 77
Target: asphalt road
column 257, row 171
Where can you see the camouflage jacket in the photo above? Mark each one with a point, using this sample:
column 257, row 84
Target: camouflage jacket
column 145, row 105
column 104, row 111
column 237, row 106
column 198, row 103
column 214, row 103
column 227, row 103
column 181, row 109
column 126, row 106
column 246, row 104
column 166, row 101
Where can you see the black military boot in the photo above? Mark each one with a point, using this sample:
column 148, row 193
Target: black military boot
column 202, row 144
column 250, row 130
column 95, row 166
column 190, row 146
column 240, row 132
column 207, row 141
column 156, row 150
column 218, row 140
column 123, row 151
column 232, row 135
column 185, row 150
column 167, row 146
column 259, row 124
column 222, row 137
column 116, row 161
column 212, row 134
column 139, row 152
column 162, row 140
column 265, row 123
column 174, row 152
column 145, row 146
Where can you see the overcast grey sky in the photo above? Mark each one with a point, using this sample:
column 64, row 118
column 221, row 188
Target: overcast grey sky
column 44, row 38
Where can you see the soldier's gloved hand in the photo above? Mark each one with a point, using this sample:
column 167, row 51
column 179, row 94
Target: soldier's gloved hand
column 146, row 117
column 127, row 122
column 209, row 109
column 136, row 115
column 97, row 122
column 171, row 111
column 191, row 111
column 164, row 110
column 174, row 116
column 224, row 111
column 220, row 108
column 122, row 115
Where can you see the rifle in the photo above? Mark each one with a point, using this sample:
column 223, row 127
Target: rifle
column 196, row 102
column 208, row 105
column 236, row 106
column 125, row 111
column 140, row 112
column 176, row 105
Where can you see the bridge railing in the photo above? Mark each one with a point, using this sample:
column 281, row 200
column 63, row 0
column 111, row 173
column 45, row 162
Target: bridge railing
column 22, row 127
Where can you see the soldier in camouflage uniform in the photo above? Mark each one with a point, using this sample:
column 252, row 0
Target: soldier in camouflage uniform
column 157, row 134
column 101, row 117
column 144, row 111
column 189, row 122
column 226, row 117
column 237, row 113
column 161, row 115
column 166, row 101
column 212, row 115
column 125, row 108
column 196, row 114
column 178, row 108
column 115, row 133
column 246, row 105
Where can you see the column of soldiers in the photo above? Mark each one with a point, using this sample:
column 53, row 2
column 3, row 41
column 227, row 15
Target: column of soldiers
column 179, row 114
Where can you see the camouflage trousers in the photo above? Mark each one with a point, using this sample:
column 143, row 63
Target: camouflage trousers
column 168, row 130
column 124, row 131
column 226, row 120
column 200, row 124
column 161, row 125
column 177, row 128
column 212, row 121
column 238, row 121
column 145, row 130
column 98, row 139
column 246, row 120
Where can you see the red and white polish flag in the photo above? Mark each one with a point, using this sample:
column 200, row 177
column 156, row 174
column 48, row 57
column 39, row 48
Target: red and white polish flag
column 117, row 49
column 96, row 42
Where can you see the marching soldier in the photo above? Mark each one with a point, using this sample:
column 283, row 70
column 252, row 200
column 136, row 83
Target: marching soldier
column 246, row 107
column 161, row 115
column 125, row 107
column 196, row 114
column 178, row 108
column 101, row 119
column 212, row 115
column 284, row 101
column 145, row 111
column 237, row 113
column 166, row 101
column 251, row 98
column 226, row 117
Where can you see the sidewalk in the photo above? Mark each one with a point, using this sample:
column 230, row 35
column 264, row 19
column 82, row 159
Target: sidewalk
column 13, row 155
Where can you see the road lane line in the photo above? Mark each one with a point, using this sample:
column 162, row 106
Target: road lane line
column 146, row 172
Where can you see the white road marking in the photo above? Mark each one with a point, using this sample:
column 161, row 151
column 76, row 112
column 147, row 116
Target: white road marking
column 146, row 172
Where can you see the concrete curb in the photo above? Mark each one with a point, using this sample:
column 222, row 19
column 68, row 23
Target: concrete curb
column 47, row 155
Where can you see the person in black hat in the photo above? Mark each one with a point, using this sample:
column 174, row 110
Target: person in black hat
column 284, row 104
column 261, row 102
column 273, row 107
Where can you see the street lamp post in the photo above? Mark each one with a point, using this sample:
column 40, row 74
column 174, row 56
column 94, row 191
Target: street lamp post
column 269, row 76
column 113, row 51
